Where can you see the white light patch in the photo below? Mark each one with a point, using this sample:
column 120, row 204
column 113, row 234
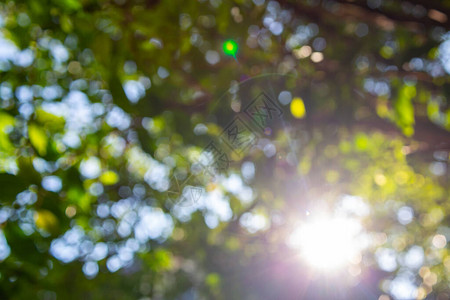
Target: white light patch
column 52, row 183
column 4, row 247
column 90, row 168
column 328, row 243
column 405, row 215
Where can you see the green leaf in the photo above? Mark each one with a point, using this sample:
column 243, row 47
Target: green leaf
column 22, row 247
column 361, row 141
column 49, row 120
column 213, row 280
column 66, row 23
column 109, row 178
column 158, row 260
column 68, row 5
column 6, row 121
column 38, row 138
column 11, row 185
column 27, row 171
column 46, row 220
column 404, row 109
column 119, row 96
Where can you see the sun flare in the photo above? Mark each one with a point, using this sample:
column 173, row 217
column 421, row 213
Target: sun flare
column 328, row 243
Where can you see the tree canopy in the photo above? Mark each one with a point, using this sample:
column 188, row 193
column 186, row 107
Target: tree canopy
column 212, row 149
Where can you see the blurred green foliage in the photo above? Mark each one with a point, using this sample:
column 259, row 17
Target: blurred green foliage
column 105, row 103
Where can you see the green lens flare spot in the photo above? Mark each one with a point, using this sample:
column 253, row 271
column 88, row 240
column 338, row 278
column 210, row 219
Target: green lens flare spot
column 230, row 47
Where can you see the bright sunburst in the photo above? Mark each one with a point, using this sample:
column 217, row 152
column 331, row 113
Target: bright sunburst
column 328, row 243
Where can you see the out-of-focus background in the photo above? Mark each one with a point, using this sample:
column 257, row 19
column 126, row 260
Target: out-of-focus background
column 221, row 149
